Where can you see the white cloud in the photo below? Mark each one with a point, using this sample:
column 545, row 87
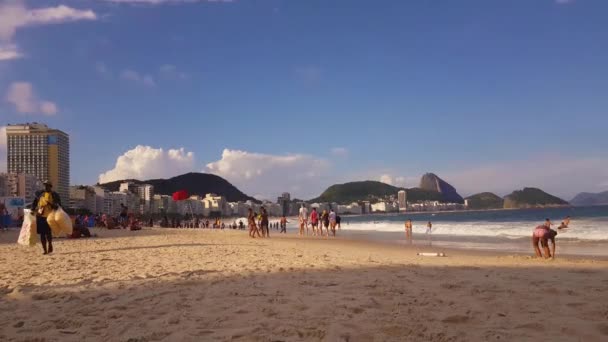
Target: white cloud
column 146, row 162
column 387, row 179
column 339, row 151
column 133, row 76
column 399, row 181
column 14, row 16
column 269, row 175
column 22, row 96
column 9, row 51
column 170, row 71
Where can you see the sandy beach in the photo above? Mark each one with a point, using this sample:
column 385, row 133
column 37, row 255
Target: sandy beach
column 202, row 285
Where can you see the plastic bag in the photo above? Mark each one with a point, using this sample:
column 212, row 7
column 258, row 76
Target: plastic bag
column 28, row 235
column 60, row 223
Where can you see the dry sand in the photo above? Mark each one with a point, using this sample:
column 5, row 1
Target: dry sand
column 200, row 285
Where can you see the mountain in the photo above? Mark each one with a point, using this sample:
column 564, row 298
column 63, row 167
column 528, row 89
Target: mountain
column 485, row 200
column 532, row 198
column 371, row 191
column 432, row 182
column 587, row 198
column 194, row 183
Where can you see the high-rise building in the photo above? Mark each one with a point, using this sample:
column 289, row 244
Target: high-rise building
column 402, row 199
column 36, row 149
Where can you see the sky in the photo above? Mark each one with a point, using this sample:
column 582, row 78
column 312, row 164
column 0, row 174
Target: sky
column 287, row 95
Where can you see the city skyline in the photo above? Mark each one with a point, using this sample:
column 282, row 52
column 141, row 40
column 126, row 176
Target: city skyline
column 282, row 96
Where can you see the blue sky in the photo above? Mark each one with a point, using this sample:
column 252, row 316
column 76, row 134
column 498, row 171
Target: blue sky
column 296, row 95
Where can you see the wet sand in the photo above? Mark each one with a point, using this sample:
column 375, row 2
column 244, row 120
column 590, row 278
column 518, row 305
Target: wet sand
column 201, row 285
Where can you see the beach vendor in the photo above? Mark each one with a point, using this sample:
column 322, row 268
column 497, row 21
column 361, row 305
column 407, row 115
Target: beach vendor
column 44, row 203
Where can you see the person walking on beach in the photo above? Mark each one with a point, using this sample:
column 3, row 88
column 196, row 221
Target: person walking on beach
column 314, row 220
column 253, row 229
column 338, row 219
column 44, row 204
column 408, row 229
column 264, row 222
column 303, row 216
column 124, row 215
column 332, row 222
column 429, row 228
column 283, row 225
column 324, row 222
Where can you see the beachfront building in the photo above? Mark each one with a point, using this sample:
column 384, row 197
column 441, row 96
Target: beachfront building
column 214, row 205
column 384, row 207
column 103, row 202
column 38, row 150
column 352, row 209
column 402, row 200
column 284, row 201
column 19, row 185
column 83, row 198
column 238, row 209
column 366, row 207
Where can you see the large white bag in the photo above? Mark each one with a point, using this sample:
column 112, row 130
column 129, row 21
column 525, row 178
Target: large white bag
column 60, row 223
column 28, row 235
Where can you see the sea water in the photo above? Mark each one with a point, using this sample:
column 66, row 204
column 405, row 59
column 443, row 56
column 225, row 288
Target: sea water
column 493, row 229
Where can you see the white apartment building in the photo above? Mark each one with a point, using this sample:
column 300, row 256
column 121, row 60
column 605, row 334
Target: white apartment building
column 353, row 208
column 402, row 200
column 83, row 197
column 20, row 185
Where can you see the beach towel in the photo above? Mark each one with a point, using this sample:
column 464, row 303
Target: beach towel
column 27, row 235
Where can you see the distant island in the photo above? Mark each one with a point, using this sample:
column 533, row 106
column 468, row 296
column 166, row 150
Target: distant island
column 372, row 191
column 194, row 183
column 590, row 199
column 532, row 198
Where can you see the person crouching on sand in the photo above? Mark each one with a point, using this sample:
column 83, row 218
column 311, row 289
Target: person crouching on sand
column 543, row 234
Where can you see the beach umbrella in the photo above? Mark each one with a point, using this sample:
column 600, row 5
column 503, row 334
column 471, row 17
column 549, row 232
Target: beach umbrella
column 180, row 195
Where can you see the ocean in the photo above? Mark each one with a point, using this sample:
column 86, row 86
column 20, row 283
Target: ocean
column 508, row 230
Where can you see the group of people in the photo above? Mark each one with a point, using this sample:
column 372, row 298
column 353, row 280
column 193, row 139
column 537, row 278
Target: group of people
column 315, row 222
column 543, row 236
column 409, row 226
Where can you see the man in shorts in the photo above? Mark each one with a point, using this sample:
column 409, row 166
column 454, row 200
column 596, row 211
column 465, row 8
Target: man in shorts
column 543, row 234
column 303, row 216
column 332, row 222
column 314, row 220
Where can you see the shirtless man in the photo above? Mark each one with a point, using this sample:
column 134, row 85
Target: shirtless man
column 303, row 216
column 408, row 229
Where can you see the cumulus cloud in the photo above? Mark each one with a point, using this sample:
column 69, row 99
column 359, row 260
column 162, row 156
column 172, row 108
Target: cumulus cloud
column 22, row 96
column 564, row 177
column 269, row 175
column 339, row 151
column 146, row 162
column 399, row 181
column 14, row 16
column 133, row 76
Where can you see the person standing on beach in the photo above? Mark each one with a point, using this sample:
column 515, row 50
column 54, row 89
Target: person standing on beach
column 264, row 222
column 324, row 222
column 314, row 220
column 332, row 222
column 253, row 229
column 44, row 204
column 408, row 229
column 284, row 225
column 124, row 215
column 303, row 216
column 429, row 228
column 338, row 220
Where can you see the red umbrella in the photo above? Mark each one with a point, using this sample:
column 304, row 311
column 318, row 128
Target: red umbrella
column 180, row 195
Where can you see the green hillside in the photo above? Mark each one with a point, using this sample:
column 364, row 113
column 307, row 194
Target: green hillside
column 485, row 200
column 371, row 191
column 532, row 198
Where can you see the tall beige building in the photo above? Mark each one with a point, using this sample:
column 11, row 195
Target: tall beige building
column 38, row 150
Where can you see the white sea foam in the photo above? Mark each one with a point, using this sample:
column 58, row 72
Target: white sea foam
column 580, row 229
